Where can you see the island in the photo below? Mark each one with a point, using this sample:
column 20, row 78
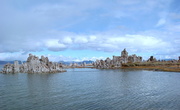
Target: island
column 34, row 65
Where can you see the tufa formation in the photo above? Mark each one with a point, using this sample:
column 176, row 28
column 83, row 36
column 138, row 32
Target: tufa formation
column 34, row 65
column 117, row 61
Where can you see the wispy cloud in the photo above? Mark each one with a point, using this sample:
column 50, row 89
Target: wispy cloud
column 161, row 22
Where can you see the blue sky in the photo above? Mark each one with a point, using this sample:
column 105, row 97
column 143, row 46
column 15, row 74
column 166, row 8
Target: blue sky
column 88, row 30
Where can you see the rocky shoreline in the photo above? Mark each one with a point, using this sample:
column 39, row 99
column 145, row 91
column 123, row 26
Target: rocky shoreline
column 34, row 65
column 125, row 61
column 155, row 66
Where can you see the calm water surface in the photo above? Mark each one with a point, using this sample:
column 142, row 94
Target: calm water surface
column 91, row 89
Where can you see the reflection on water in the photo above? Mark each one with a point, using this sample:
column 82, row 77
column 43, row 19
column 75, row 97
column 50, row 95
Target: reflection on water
column 91, row 89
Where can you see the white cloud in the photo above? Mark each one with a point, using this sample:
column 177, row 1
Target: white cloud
column 92, row 38
column 66, row 40
column 81, row 39
column 161, row 22
column 54, row 45
column 142, row 43
column 138, row 42
column 13, row 56
column 133, row 43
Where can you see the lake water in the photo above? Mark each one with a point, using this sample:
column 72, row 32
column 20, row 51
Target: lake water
column 83, row 89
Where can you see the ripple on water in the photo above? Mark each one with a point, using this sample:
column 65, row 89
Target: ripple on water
column 91, row 89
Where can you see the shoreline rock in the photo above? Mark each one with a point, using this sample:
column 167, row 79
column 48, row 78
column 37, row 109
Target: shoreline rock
column 34, row 65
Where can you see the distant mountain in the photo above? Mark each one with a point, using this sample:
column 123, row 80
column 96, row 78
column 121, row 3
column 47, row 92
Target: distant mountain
column 88, row 62
column 168, row 59
column 70, row 62
column 11, row 62
column 3, row 62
